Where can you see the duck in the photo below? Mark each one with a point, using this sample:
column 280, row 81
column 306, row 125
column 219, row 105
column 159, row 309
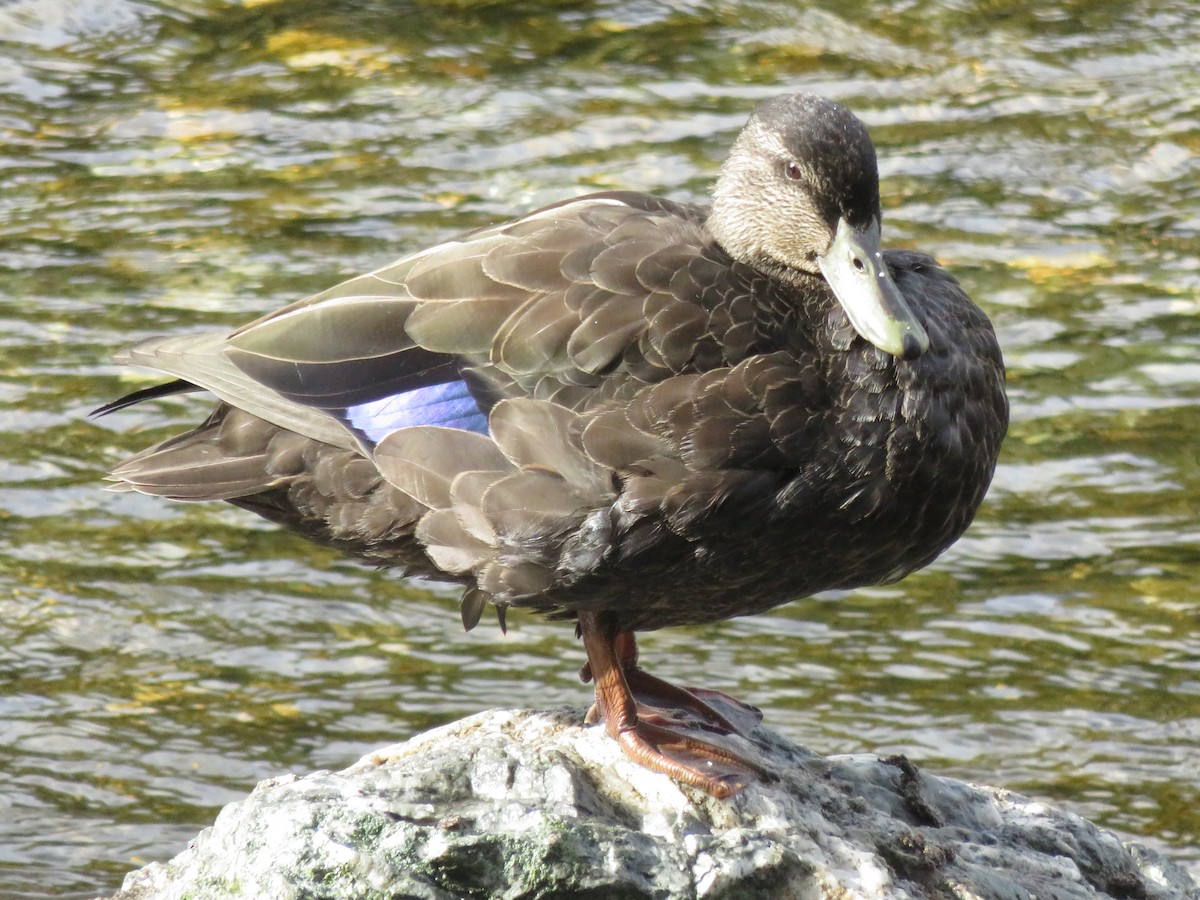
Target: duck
column 623, row 411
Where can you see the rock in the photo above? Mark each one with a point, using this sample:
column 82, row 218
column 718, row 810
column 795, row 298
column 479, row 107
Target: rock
column 532, row 805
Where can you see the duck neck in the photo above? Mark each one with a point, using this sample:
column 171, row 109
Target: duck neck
column 795, row 312
column 737, row 242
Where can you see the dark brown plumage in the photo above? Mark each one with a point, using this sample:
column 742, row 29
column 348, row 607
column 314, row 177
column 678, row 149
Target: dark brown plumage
column 627, row 411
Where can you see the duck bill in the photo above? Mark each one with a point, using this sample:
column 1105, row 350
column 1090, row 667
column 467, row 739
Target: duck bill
column 854, row 267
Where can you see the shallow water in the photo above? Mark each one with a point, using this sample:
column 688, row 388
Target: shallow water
column 181, row 165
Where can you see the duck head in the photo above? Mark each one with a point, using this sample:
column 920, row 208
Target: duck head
column 800, row 194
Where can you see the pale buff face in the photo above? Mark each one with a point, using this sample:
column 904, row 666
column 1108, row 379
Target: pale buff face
column 799, row 166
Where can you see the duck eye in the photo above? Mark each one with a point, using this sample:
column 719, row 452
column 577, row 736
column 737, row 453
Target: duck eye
column 791, row 170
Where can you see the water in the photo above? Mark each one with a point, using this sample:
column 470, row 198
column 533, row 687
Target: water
column 190, row 163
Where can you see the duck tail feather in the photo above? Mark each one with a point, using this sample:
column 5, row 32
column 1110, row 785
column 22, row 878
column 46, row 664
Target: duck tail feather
column 227, row 457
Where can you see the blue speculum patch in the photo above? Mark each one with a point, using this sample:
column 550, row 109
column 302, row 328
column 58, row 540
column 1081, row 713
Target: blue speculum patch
column 449, row 405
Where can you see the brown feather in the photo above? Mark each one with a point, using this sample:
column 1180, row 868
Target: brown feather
column 422, row 461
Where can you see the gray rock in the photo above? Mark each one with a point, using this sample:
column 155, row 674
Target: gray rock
column 532, row 805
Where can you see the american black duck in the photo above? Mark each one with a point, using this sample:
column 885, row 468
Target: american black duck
column 621, row 410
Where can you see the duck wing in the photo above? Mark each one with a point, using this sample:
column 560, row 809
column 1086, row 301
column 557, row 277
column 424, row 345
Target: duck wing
column 567, row 304
column 578, row 303
column 200, row 361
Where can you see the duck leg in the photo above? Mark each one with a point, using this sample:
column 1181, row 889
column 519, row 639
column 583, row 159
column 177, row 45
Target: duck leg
column 655, row 742
column 661, row 701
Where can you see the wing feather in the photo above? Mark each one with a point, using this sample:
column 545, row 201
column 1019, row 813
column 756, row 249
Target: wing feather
column 200, row 360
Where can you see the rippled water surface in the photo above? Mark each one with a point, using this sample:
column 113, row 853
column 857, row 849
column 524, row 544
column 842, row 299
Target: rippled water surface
column 192, row 163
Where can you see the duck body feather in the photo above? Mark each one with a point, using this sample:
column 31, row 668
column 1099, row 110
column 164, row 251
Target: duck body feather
column 595, row 407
